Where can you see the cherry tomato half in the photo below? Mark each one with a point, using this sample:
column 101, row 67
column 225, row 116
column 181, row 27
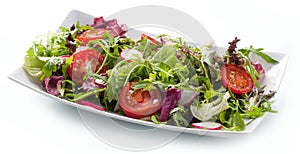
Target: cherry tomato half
column 236, row 79
column 92, row 34
column 140, row 103
column 77, row 69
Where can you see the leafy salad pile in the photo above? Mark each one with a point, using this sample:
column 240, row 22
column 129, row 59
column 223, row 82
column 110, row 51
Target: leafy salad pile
column 163, row 79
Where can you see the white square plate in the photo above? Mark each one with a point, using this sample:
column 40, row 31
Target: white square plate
column 274, row 75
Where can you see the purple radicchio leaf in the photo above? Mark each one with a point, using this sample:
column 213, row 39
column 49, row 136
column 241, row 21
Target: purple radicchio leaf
column 70, row 43
column 169, row 102
column 91, row 83
column 162, row 40
column 110, row 25
column 90, row 104
column 52, row 83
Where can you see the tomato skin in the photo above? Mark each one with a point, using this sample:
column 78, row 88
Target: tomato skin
column 92, row 34
column 77, row 69
column 141, row 104
column 236, row 79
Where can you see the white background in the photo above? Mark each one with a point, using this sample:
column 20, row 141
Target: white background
column 32, row 123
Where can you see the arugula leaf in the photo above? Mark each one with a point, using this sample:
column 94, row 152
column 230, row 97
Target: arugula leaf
column 254, row 112
column 251, row 70
column 50, row 67
column 57, row 44
column 267, row 58
column 156, row 121
column 180, row 116
column 43, row 57
column 75, row 29
column 237, row 122
column 52, row 44
column 119, row 77
column 266, row 106
column 232, row 120
column 66, row 65
column 107, row 36
column 75, row 97
column 67, row 86
column 167, row 56
column 210, row 93
column 179, row 119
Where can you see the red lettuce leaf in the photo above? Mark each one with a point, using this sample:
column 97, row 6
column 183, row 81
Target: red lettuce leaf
column 110, row 25
column 52, row 83
column 169, row 103
column 90, row 104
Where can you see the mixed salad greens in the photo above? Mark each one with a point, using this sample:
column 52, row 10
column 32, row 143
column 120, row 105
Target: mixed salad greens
column 160, row 79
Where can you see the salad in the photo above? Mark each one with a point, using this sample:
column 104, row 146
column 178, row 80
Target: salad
column 161, row 79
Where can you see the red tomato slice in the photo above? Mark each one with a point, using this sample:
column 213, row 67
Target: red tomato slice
column 140, row 103
column 236, row 79
column 93, row 34
column 77, row 69
column 152, row 40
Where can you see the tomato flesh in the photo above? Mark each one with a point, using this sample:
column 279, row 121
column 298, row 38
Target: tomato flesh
column 140, row 103
column 92, row 34
column 81, row 59
column 138, row 96
column 236, row 79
